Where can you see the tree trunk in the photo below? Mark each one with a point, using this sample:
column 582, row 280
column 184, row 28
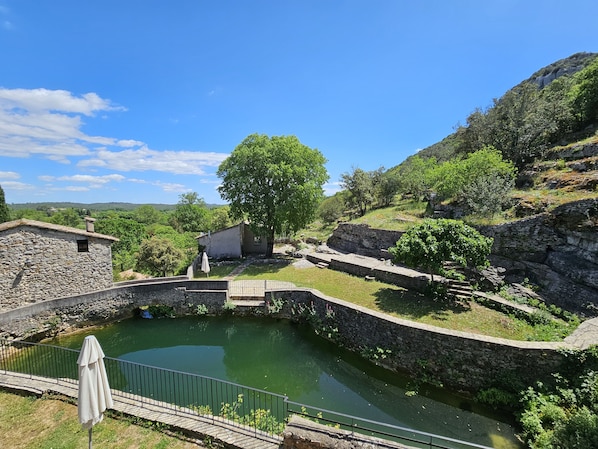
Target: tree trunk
column 270, row 244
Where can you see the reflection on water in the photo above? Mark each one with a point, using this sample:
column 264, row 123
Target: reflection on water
column 283, row 358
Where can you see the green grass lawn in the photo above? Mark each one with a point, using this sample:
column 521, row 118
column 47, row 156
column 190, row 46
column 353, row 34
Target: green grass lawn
column 31, row 423
column 399, row 302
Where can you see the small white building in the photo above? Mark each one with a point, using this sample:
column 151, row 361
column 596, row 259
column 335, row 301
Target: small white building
column 233, row 242
column 41, row 261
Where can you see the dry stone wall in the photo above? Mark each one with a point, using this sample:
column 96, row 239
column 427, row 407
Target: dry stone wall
column 458, row 360
column 557, row 251
column 40, row 264
column 362, row 239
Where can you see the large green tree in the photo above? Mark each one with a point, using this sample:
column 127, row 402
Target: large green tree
column 4, row 212
column 191, row 214
column 274, row 182
column 432, row 242
column 360, row 185
column 158, row 257
column 130, row 234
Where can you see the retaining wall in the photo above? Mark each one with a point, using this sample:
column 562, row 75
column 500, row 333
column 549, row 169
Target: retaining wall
column 458, row 360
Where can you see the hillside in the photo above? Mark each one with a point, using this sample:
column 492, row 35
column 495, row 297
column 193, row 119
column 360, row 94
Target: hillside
column 566, row 68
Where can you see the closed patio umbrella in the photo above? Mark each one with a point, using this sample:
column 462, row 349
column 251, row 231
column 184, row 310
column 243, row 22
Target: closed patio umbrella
column 94, row 391
column 205, row 265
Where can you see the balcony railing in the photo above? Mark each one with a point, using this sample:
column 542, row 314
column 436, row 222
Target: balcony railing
column 203, row 396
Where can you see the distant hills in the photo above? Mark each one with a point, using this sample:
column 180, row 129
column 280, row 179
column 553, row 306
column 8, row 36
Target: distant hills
column 91, row 206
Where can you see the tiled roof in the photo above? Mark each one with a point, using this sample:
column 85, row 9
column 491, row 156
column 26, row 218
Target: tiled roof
column 53, row 227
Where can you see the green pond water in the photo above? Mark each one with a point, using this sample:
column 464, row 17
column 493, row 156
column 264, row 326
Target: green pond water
column 284, row 358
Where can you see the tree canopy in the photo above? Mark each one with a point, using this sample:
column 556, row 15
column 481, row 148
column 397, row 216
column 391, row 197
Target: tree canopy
column 431, row 243
column 4, row 212
column 158, row 256
column 274, row 182
column 190, row 214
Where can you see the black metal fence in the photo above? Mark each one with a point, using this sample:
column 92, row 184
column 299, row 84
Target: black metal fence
column 203, row 396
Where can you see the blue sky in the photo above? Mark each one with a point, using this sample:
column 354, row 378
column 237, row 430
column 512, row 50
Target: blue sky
column 139, row 101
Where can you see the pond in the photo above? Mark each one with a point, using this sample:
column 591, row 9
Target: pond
column 288, row 359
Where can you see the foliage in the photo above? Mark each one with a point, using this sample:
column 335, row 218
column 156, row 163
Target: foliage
column 414, row 176
column 67, row 217
column 4, row 212
column 452, row 178
column 148, row 215
column 274, row 182
column 584, row 95
column 275, row 305
column 360, row 186
column 433, row 242
column 260, row 419
column 487, row 196
column 130, row 234
column 190, row 214
column 158, row 256
column 220, row 218
column 332, row 208
column 185, row 242
column 527, row 119
column 161, row 311
column 229, row 306
column 387, row 186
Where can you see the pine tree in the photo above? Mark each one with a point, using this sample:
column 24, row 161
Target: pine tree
column 4, row 212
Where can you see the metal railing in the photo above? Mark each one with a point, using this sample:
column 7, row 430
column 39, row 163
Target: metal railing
column 203, row 396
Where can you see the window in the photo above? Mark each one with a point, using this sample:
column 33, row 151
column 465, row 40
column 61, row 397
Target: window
column 257, row 240
column 82, row 246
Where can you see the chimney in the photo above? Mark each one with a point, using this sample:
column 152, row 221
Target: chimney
column 89, row 224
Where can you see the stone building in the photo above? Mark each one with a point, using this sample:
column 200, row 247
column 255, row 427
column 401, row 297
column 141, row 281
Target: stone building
column 41, row 261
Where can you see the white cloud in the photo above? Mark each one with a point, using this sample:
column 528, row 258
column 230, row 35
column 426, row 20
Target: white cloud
column 144, row 159
column 90, row 182
column 16, row 185
column 9, row 175
column 171, row 187
column 44, row 100
column 49, row 123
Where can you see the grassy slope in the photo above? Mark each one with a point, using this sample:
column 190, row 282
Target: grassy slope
column 398, row 302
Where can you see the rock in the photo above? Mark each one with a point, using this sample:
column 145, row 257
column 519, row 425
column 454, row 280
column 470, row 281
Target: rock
column 492, row 278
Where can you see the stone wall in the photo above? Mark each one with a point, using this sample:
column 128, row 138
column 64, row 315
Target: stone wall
column 458, row 360
column 557, row 251
column 47, row 318
column 40, row 264
column 412, row 281
column 362, row 239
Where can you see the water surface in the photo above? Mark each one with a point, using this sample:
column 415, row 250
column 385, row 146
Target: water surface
column 284, row 358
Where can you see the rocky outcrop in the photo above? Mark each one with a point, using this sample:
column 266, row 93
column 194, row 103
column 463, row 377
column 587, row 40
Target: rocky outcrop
column 361, row 239
column 557, row 251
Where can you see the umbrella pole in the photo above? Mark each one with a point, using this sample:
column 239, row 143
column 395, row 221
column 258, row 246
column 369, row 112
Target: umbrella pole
column 89, row 433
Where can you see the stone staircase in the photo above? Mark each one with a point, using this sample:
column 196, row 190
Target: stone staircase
column 460, row 290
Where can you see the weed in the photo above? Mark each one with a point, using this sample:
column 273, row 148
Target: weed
column 229, row 306
column 201, row 309
column 275, row 305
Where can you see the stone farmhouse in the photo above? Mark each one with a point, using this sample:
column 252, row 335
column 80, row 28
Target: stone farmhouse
column 41, row 261
column 232, row 242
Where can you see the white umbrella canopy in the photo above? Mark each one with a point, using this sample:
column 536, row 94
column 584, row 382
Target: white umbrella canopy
column 94, row 391
column 205, row 265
